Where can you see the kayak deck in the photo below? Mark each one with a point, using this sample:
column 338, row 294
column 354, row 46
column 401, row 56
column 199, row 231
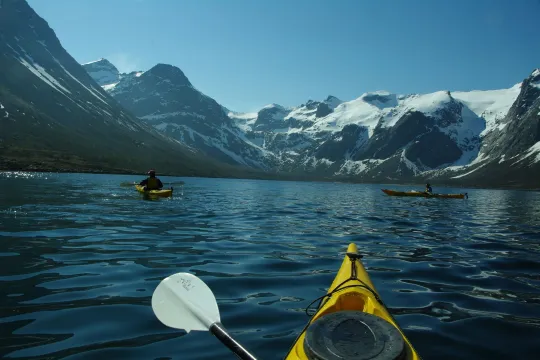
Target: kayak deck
column 423, row 194
column 161, row 193
column 351, row 289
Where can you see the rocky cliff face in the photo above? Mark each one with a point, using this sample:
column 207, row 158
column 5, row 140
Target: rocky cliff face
column 521, row 130
column 102, row 71
column 509, row 152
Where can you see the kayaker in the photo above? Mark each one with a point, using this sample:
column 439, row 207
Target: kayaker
column 429, row 190
column 151, row 182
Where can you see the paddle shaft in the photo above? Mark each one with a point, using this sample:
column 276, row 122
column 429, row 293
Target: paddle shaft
column 219, row 331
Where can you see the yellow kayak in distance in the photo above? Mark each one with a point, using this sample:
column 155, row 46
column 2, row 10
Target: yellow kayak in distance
column 160, row 193
column 352, row 322
column 424, row 194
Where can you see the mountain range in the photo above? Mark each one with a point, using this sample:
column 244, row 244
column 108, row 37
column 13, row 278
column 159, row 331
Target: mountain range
column 484, row 138
column 56, row 114
column 55, row 117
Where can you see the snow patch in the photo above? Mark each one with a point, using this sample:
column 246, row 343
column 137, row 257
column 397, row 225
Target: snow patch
column 351, row 167
column 163, row 126
column 315, row 162
column 242, row 116
column 356, row 112
column 535, row 149
column 536, row 73
column 96, row 95
column 279, row 115
column 466, row 158
column 109, row 86
column 408, row 163
column 92, row 62
column 428, row 103
column 41, row 73
column 479, row 159
column 281, row 130
column 492, row 105
column 273, row 105
column 171, row 114
column 302, row 114
column 468, row 173
column 244, row 126
column 325, row 161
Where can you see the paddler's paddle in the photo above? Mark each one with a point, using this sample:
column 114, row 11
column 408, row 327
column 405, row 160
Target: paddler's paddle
column 127, row 183
column 183, row 301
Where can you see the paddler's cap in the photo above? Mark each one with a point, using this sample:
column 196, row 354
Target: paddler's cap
column 151, row 172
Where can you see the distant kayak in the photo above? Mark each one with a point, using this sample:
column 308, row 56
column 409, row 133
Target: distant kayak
column 424, row 194
column 161, row 193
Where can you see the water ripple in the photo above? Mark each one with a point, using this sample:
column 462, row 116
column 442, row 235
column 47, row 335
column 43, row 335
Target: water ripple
column 80, row 257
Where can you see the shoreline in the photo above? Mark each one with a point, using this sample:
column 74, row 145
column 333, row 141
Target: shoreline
column 269, row 176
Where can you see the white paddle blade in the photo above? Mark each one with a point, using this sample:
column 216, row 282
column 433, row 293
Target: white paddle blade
column 183, row 301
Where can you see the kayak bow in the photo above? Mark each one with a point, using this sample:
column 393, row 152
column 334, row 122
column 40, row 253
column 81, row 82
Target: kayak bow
column 352, row 321
column 424, row 194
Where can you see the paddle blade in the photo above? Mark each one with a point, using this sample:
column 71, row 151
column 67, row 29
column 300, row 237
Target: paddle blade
column 183, row 301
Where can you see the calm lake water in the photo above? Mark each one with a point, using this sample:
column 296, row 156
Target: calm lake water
column 80, row 256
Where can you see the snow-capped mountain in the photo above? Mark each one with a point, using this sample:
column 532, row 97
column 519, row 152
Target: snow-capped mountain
column 54, row 116
column 379, row 136
column 351, row 137
column 164, row 98
column 382, row 136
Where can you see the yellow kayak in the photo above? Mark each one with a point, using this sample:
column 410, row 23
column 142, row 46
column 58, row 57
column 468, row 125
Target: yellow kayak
column 161, row 193
column 352, row 322
column 424, row 194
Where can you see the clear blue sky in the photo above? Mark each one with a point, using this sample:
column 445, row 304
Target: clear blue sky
column 249, row 53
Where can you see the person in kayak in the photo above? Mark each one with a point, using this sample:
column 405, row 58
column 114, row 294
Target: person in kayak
column 151, row 182
column 429, row 190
